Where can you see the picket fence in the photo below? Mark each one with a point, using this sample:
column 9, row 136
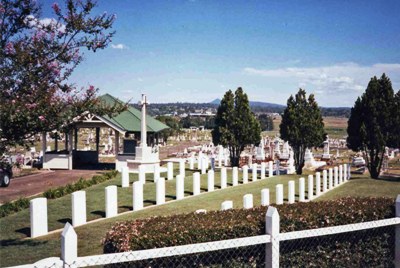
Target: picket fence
column 270, row 243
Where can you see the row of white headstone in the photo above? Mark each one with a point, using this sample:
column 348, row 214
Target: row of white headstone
column 38, row 206
column 337, row 176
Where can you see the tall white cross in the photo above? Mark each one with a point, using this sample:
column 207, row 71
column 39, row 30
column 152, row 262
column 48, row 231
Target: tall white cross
column 143, row 126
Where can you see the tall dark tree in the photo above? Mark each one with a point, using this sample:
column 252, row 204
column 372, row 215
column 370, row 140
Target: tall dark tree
column 235, row 124
column 302, row 126
column 37, row 57
column 374, row 123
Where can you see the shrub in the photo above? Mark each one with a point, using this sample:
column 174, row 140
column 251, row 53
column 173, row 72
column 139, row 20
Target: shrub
column 12, row 207
column 192, row 228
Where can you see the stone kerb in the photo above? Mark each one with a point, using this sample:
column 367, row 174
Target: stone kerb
column 78, row 200
column 111, row 193
column 38, row 214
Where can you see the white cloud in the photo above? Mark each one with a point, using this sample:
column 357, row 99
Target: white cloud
column 119, row 46
column 343, row 78
column 41, row 23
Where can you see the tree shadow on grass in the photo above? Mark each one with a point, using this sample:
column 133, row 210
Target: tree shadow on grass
column 19, row 242
column 148, row 201
column 170, row 196
column 65, row 220
column 99, row 212
column 189, row 192
column 25, row 231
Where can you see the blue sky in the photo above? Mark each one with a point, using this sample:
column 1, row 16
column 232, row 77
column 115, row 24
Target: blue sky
column 195, row 50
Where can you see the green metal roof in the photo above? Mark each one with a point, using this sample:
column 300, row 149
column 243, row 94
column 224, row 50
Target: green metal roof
column 130, row 119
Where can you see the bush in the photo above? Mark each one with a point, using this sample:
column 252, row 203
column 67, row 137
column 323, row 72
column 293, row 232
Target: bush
column 12, row 207
column 192, row 228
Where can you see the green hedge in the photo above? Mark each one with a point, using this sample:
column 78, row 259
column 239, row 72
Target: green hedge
column 192, row 228
column 23, row 203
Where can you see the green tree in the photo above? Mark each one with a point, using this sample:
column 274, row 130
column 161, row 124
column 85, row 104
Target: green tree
column 235, row 124
column 36, row 59
column 174, row 126
column 266, row 122
column 302, row 126
column 374, row 123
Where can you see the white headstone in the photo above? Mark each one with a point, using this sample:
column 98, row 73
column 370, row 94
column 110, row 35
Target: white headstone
column 263, row 166
column 345, row 172
column 180, row 187
column 38, row 214
column 330, row 178
column 265, row 197
column 247, row 201
column 270, row 169
column 254, row 172
column 279, row 194
column 302, row 189
column 111, row 201
column 160, row 191
column 310, row 187
column 226, row 205
column 78, row 208
column 235, row 176
column 196, row 183
column 170, row 171
column 156, row 173
column 224, row 178
column 340, row 174
column 125, row 177
column 69, row 244
column 182, row 168
column 204, row 165
column 245, row 174
column 291, row 192
column 210, row 180
column 191, row 163
column 324, row 181
column 199, row 160
column 336, row 176
column 142, row 174
column 137, row 195
column 317, row 183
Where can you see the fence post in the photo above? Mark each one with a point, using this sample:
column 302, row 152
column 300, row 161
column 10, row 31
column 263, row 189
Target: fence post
column 397, row 237
column 272, row 226
column 69, row 245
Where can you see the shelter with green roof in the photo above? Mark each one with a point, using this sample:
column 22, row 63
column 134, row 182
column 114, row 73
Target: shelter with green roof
column 126, row 127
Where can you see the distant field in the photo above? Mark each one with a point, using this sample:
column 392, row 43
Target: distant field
column 334, row 126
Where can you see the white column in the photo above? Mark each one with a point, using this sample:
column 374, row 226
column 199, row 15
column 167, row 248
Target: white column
column 265, row 197
column 223, row 178
column 318, row 183
column 344, row 172
column 160, row 191
column 125, row 177
column 330, row 178
column 38, row 214
column 324, row 181
column 235, row 176
column 270, row 169
column 196, row 183
column 156, row 173
column 111, row 201
column 279, row 194
column 310, row 187
column 137, row 195
column 78, row 208
column 254, row 172
column 226, row 205
column 182, row 168
column 142, row 174
column 180, row 187
column 291, row 192
column 336, row 176
column 143, row 126
column 302, row 190
column 69, row 245
column 397, row 235
column 263, row 166
column 247, row 201
column 203, row 165
column 210, row 180
column 272, row 226
column 191, row 163
column 245, row 174
column 340, row 174
column 170, row 170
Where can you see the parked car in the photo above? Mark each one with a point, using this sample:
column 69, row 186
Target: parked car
column 5, row 172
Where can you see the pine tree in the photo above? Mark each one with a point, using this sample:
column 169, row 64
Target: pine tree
column 302, row 126
column 374, row 123
column 235, row 124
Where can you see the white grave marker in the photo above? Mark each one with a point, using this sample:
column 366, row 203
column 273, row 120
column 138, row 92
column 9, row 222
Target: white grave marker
column 291, row 192
column 111, row 201
column 245, row 174
column 223, row 178
column 180, row 187
column 210, row 180
column 137, row 195
column 226, row 205
column 310, row 187
column 170, row 171
column 302, row 189
column 265, row 197
column 38, row 213
column 247, row 201
column 279, row 194
column 235, row 176
column 125, row 177
column 78, row 208
column 196, row 183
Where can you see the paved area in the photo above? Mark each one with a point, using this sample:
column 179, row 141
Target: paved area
column 37, row 183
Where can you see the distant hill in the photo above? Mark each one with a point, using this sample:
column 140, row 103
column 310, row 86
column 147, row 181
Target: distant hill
column 256, row 104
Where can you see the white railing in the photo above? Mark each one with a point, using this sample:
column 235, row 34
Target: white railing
column 271, row 240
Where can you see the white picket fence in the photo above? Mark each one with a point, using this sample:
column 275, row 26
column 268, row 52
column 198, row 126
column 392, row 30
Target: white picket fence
column 271, row 239
column 336, row 177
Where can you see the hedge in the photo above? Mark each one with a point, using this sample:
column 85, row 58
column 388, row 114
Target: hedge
column 9, row 208
column 157, row 232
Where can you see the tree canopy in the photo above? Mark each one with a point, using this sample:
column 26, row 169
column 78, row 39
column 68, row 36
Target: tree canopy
column 37, row 57
column 235, row 125
column 302, row 126
column 374, row 122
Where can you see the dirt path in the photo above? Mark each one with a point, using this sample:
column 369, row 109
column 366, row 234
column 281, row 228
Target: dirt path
column 37, row 183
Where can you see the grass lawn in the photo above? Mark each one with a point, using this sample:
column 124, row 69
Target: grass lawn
column 14, row 228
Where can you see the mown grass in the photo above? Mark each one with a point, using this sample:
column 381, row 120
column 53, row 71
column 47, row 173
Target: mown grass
column 17, row 249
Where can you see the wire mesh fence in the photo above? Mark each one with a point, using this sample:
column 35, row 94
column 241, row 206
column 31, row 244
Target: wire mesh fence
column 374, row 247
